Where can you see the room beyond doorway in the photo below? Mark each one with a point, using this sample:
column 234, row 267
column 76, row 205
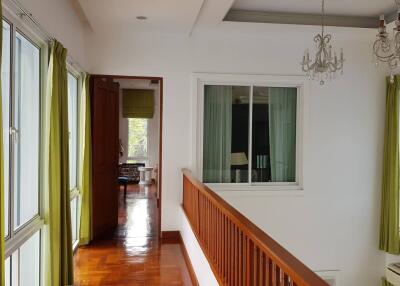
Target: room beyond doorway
column 137, row 135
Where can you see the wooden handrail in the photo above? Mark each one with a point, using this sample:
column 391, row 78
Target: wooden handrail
column 238, row 251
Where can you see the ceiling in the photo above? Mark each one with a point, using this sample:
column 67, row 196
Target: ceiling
column 364, row 8
column 165, row 15
column 183, row 16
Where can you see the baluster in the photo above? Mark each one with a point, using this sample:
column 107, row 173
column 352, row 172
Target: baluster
column 278, row 276
column 285, row 280
column 273, row 274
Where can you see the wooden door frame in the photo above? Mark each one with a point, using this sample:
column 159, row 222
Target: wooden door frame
column 161, row 81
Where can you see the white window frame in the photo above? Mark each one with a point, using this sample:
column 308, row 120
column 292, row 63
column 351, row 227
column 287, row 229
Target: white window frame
column 75, row 193
column 23, row 233
column 199, row 80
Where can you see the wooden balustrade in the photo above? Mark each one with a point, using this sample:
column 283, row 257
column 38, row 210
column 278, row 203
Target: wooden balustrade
column 238, row 251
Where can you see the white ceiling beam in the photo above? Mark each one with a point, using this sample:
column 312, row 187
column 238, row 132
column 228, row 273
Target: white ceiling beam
column 300, row 19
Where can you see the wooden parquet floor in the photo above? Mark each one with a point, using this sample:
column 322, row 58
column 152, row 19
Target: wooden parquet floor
column 134, row 255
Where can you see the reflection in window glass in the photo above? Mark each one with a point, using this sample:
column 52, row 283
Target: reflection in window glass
column 5, row 89
column 26, row 123
column 72, row 128
column 225, row 137
column 226, row 134
column 29, row 259
column 274, row 134
column 137, row 150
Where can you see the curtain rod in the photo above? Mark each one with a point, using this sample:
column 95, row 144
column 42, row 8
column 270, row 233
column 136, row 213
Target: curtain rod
column 25, row 14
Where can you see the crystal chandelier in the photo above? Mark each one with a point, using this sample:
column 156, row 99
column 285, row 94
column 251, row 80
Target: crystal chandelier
column 385, row 49
column 325, row 65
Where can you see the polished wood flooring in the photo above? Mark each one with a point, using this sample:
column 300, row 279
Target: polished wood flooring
column 134, row 255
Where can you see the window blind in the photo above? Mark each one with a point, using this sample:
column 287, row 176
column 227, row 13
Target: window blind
column 137, row 103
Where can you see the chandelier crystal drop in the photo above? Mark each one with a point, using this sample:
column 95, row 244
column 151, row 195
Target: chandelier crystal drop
column 387, row 49
column 325, row 65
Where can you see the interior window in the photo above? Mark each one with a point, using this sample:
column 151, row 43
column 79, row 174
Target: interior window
column 226, row 129
column 228, row 157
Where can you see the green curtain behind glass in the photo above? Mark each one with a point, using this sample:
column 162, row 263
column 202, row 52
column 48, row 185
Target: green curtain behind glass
column 389, row 229
column 85, row 230
column 2, row 222
column 60, row 267
column 217, row 135
column 282, row 133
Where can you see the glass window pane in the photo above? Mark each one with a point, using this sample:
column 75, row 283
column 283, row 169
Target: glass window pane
column 14, row 268
column 7, row 272
column 74, row 219
column 226, row 134
column 73, row 128
column 5, row 88
column 29, row 255
column 274, row 134
column 137, row 150
column 26, row 123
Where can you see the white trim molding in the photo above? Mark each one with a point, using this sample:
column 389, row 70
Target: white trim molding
column 199, row 80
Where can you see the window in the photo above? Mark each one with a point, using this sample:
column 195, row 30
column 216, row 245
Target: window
column 21, row 75
column 26, row 130
column 137, row 141
column 73, row 153
column 249, row 131
column 73, row 129
column 23, row 265
column 5, row 79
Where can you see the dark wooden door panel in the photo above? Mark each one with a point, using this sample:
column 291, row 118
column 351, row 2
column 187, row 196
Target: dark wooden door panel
column 105, row 117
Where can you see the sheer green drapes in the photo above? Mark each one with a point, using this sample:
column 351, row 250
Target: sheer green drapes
column 2, row 222
column 85, row 231
column 217, row 134
column 59, row 267
column 389, row 229
column 282, row 133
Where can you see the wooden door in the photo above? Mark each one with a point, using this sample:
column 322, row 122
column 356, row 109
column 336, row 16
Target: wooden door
column 105, row 132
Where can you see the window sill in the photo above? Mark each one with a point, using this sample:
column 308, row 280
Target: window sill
column 257, row 190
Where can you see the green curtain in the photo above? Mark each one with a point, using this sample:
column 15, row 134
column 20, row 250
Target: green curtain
column 384, row 282
column 282, row 133
column 217, row 135
column 138, row 103
column 85, row 230
column 60, row 267
column 389, row 230
column 2, row 189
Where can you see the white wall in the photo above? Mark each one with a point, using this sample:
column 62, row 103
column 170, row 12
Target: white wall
column 335, row 224
column 202, row 269
column 59, row 18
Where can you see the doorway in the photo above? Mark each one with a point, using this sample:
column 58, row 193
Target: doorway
column 127, row 156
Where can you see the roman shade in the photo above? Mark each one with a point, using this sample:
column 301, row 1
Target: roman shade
column 137, row 103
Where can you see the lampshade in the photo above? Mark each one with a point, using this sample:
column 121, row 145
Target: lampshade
column 238, row 159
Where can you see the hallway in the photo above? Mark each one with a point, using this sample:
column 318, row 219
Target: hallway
column 134, row 255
